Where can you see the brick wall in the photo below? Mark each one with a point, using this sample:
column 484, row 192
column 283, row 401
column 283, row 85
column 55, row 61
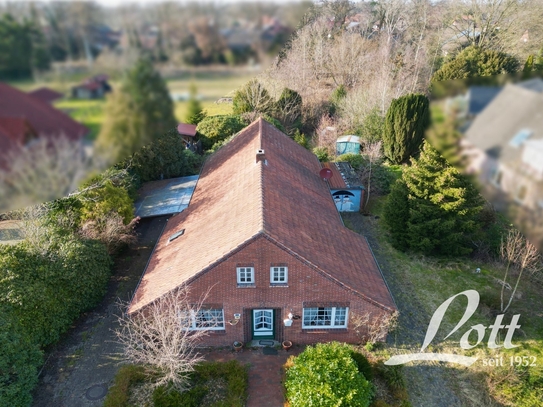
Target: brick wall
column 304, row 285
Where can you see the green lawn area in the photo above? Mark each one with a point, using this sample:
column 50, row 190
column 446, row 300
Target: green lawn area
column 210, row 85
column 88, row 112
column 429, row 282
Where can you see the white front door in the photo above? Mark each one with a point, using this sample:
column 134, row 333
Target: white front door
column 263, row 323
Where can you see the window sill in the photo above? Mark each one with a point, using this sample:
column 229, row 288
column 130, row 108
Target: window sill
column 278, row 284
column 217, row 332
column 246, row 285
column 324, row 330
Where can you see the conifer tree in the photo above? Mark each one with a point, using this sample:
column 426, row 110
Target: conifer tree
column 195, row 113
column 136, row 113
column 441, row 203
column 406, row 121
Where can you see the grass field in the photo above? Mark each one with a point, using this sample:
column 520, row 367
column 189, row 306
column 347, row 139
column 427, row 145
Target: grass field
column 428, row 282
column 91, row 113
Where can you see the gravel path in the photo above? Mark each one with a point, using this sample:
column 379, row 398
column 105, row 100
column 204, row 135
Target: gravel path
column 81, row 367
column 428, row 385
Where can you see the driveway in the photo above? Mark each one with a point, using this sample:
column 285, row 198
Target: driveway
column 80, row 368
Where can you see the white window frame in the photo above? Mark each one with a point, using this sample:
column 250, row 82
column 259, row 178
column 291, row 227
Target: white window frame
column 240, row 270
column 217, row 320
column 272, row 275
column 333, row 324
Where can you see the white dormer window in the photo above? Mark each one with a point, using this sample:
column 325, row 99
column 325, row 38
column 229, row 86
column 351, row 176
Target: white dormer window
column 279, row 275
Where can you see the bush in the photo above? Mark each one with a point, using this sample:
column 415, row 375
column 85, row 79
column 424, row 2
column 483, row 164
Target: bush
column 164, row 397
column 19, row 362
column 98, row 203
column 356, row 160
column 326, row 375
column 322, row 154
column 127, row 376
column 363, row 365
column 48, row 290
column 166, row 157
column 301, row 139
column 252, row 97
column 393, row 376
column 217, row 128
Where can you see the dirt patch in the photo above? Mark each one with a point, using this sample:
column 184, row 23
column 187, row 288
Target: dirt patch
column 88, row 356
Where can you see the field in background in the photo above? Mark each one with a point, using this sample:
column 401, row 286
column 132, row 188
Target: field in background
column 211, row 86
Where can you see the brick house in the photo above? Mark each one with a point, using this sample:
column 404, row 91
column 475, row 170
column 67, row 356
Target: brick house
column 263, row 234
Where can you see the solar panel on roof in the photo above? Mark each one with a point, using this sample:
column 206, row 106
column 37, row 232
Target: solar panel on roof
column 520, row 138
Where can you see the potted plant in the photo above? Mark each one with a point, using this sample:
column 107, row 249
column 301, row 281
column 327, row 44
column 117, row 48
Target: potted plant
column 238, row 345
column 287, row 345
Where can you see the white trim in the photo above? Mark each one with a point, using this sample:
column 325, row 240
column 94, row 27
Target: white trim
column 272, row 281
column 332, row 318
column 245, row 270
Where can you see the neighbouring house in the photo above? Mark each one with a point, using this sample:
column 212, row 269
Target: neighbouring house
column 93, row 88
column 188, row 133
column 46, row 95
column 263, row 238
column 24, row 118
column 504, row 147
column 345, row 186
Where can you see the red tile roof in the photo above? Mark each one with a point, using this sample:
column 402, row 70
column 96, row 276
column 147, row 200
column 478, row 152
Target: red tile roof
column 238, row 199
column 186, row 129
column 44, row 118
column 46, row 95
column 336, row 181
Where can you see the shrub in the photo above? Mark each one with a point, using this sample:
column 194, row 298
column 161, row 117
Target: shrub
column 301, row 139
column 326, row 375
column 164, row 397
column 356, row 160
column 322, row 154
column 217, row 128
column 19, row 362
column 166, row 157
column 98, row 203
column 127, row 375
column 252, row 97
column 363, row 365
column 393, row 376
column 48, row 290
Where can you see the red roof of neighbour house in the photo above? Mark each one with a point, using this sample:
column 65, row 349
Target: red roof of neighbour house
column 336, row 181
column 42, row 117
column 239, row 199
column 46, row 95
column 186, row 129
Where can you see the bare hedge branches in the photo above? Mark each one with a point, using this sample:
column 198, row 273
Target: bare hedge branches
column 161, row 337
column 373, row 328
column 111, row 231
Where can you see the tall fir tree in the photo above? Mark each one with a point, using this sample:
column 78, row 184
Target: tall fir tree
column 406, row 121
column 137, row 112
column 442, row 207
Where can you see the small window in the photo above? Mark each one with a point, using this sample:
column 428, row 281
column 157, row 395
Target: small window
column 325, row 317
column 246, row 275
column 279, row 275
column 176, row 235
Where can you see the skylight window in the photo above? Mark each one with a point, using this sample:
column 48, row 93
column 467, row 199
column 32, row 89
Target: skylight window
column 176, row 235
column 520, row 138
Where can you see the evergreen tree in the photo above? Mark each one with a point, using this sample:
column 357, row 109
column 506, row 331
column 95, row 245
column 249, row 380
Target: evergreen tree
column 195, row 113
column 440, row 204
column 476, row 61
column 137, row 113
column 406, row 121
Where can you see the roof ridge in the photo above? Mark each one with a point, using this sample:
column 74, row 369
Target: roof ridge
column 261, row 177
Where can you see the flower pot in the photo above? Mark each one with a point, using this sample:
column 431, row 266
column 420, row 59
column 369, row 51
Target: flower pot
column 287, row 345
column 237, row 346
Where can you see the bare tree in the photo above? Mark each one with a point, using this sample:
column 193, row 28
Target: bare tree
column 373, row 154
column 111, row 231
column 47, row 169
column 519, row 253
column 164, row 336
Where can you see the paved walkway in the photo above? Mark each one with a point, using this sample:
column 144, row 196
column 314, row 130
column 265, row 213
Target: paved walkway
column 265, row 373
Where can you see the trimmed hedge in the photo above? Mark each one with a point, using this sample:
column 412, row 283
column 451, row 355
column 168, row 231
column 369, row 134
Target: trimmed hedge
column 218, row 128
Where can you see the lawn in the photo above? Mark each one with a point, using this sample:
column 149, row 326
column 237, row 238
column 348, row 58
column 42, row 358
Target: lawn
column 421, row 284
column 88, row 112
